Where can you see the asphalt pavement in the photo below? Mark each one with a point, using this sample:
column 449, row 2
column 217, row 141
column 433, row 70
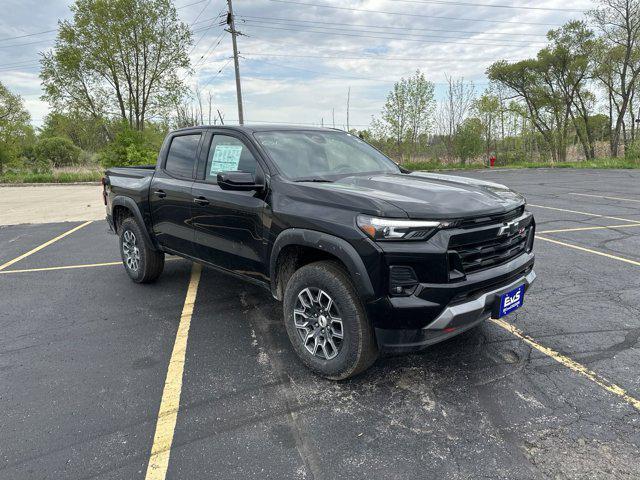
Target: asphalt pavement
column 84, row 356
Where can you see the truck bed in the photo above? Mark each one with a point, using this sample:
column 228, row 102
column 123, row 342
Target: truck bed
column 132, row 182
column 139, row 171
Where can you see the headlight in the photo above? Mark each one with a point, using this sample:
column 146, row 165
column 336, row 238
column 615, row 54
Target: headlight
column 395, row 229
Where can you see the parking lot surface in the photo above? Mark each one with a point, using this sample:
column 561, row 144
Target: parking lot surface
column 552, row 393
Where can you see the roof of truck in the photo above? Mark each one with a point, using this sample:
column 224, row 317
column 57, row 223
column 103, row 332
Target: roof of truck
column 260, row 128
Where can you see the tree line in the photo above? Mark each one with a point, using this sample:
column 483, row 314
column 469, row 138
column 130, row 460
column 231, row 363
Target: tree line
column 115, row 81
column 579, row 90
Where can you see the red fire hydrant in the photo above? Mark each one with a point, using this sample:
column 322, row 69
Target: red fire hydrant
column 492, row 161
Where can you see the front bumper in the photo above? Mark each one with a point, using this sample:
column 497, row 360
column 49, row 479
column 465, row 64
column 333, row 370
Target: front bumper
column 453, row 320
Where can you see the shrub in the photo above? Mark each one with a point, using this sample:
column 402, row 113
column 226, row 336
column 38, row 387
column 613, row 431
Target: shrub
column 468, row 142
column 59, row 151
column 131, row 147
column 632, row 152
column 41, row 165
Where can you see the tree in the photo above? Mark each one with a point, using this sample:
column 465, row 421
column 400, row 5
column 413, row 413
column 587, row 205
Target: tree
column 524, row 79
column 568, row 59
column 467, row 141
column 487, row 108
column 84, row 131
column 15, row 129
column 460, row 96
column 117, row 59
column 618, row 59
column 408, row 112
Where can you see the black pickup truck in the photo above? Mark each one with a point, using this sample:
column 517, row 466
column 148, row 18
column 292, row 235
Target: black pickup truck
column 366, row 256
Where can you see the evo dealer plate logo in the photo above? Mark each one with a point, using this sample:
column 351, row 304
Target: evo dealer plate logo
column 511, row 301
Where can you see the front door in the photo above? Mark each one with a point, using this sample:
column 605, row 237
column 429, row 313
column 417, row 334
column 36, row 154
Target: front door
column 170, row 193
column 228, row 225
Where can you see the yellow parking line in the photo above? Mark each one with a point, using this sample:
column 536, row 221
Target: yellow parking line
column 608, row 198
column 589, row 250
column 582, row 229
column 168, row 414
column 46, row 244
column 581, row 213
column 572, row 364
column 70, row 267
column 65, row 267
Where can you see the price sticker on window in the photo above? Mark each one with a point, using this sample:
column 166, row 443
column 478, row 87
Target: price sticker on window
column 225, row 158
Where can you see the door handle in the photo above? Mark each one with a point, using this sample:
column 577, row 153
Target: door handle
column 201, row 201
column 160, row 193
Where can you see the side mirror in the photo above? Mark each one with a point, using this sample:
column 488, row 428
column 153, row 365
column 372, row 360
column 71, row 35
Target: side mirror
column 240, row 181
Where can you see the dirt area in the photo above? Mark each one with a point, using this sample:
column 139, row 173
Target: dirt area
column 50, row 203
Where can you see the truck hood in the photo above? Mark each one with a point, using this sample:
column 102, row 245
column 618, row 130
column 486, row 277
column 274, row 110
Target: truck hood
column 428, row 195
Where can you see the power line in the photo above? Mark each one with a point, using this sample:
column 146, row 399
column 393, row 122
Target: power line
column 402, row 35
column 18, row 64
column 219, row 72
column 203, row 35
column 393, row 38
column 493, row 5
column 350, row 77
column 367, row 57
column 55, row 29
column 404, row 29
column 190, row 4
column 198, row 16
column 28, row 43
column 414, row 14
column 28, row 35
column 211, row 49
column 19, row 69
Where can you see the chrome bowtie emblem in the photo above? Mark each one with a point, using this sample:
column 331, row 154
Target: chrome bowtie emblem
column 508, row 228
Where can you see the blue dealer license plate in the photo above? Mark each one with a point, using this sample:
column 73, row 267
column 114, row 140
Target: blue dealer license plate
column 511, row 301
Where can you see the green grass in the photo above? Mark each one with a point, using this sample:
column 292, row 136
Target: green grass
column 603, row 163
column 55, row 177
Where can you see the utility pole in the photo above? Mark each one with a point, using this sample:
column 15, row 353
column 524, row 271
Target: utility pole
column 333, row 117
column 232, row 29
column 348, row 99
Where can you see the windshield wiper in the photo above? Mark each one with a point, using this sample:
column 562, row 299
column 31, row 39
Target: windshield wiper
column 323, row 180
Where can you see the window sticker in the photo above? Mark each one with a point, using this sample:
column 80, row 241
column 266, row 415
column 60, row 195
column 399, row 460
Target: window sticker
column 225, row 158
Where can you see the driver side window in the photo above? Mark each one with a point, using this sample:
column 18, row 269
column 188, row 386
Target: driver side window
column 228, row 154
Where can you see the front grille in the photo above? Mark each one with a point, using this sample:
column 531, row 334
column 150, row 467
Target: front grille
column 491, row 252
column 491, row 219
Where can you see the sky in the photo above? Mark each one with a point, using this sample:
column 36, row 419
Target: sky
column 300, row 57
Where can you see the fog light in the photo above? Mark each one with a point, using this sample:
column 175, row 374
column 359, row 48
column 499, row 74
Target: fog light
column 402, row 280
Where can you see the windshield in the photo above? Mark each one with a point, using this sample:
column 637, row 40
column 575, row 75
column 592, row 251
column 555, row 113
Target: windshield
column 320, row 155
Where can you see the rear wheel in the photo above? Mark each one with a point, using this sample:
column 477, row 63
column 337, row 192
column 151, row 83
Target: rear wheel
column 326, row 322
column 142, row 263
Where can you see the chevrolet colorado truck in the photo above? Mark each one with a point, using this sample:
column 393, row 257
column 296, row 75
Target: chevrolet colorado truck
column 367, row 257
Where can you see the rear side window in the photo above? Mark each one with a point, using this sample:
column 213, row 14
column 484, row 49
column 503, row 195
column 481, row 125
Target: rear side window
column 182, row 155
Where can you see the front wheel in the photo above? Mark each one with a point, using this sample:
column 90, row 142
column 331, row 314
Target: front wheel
column 142, row 263
column 326, row 322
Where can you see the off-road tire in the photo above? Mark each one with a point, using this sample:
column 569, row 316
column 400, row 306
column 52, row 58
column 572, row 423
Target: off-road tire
column 358, row 350
column 150, row 262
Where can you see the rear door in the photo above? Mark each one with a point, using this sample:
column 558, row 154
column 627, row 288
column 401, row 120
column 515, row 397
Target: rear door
column 229, row 230
column 170, row 193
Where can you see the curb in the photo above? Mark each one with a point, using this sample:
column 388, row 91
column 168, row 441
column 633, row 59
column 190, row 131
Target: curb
column 56, row 184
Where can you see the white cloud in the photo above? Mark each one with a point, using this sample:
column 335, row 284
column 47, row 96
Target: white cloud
column 283, row 78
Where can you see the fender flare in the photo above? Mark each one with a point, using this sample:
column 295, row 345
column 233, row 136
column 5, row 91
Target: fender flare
column 336, row 246
column 131, row 205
